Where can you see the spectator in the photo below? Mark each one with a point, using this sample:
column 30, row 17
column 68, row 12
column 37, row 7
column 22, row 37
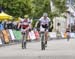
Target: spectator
column 10, row 25
column 1, row 25
column 5, row 24
column 14, row 25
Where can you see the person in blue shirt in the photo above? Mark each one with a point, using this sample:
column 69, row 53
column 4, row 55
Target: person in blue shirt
column 1, row 25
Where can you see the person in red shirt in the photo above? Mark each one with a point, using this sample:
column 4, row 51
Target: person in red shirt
column 25, row 26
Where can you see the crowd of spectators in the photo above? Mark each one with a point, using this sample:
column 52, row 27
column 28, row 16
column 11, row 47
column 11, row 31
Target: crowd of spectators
column 8, row 25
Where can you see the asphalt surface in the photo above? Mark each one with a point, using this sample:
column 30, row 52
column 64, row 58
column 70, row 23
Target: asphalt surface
column 56, row 49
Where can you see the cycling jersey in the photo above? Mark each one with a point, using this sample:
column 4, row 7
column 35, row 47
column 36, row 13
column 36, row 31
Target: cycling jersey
column 25, row 23
column 44, row 22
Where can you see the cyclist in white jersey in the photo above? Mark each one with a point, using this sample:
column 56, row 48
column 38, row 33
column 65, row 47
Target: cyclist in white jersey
column 44, row 22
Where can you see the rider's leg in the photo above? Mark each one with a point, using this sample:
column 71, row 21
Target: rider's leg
column 26, row 35
column 46, row 37
column 27, row 32
column 22, row 36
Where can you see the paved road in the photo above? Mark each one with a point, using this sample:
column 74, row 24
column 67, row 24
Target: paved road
column 56, row 49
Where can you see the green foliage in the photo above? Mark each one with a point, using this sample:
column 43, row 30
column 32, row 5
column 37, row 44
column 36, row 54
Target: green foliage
column 41, row 6
column 60, row 5
column 16, row 8
column 34, row 8
column 34, row 22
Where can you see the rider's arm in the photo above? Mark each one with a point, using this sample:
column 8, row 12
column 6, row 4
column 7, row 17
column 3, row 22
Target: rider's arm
column 49, row 22
column 36, row 24
column 19, row 25
column 30, row 25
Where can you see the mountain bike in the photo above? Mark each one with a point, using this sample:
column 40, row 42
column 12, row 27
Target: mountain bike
column 43, row 41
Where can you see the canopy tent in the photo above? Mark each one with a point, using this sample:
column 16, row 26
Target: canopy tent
column 4, row 16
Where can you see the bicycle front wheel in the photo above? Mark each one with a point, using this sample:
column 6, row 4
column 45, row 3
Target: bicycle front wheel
column 42, row 42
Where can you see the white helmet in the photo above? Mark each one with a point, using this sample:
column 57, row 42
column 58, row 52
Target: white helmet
column 45, row 14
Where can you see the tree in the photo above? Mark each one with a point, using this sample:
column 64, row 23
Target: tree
column 34, row 8
column 16, row 8
column 41, row 6
column 60, row 6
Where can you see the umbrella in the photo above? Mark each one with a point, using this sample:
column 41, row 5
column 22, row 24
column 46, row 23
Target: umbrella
column 4, row 16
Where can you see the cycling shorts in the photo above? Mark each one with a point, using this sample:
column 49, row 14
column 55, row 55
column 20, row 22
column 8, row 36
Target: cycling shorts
column 42, row 29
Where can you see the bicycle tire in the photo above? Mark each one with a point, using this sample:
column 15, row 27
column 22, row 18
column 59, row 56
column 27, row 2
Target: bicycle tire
column 42, row 42
column 43, row 46
column 24, row 42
